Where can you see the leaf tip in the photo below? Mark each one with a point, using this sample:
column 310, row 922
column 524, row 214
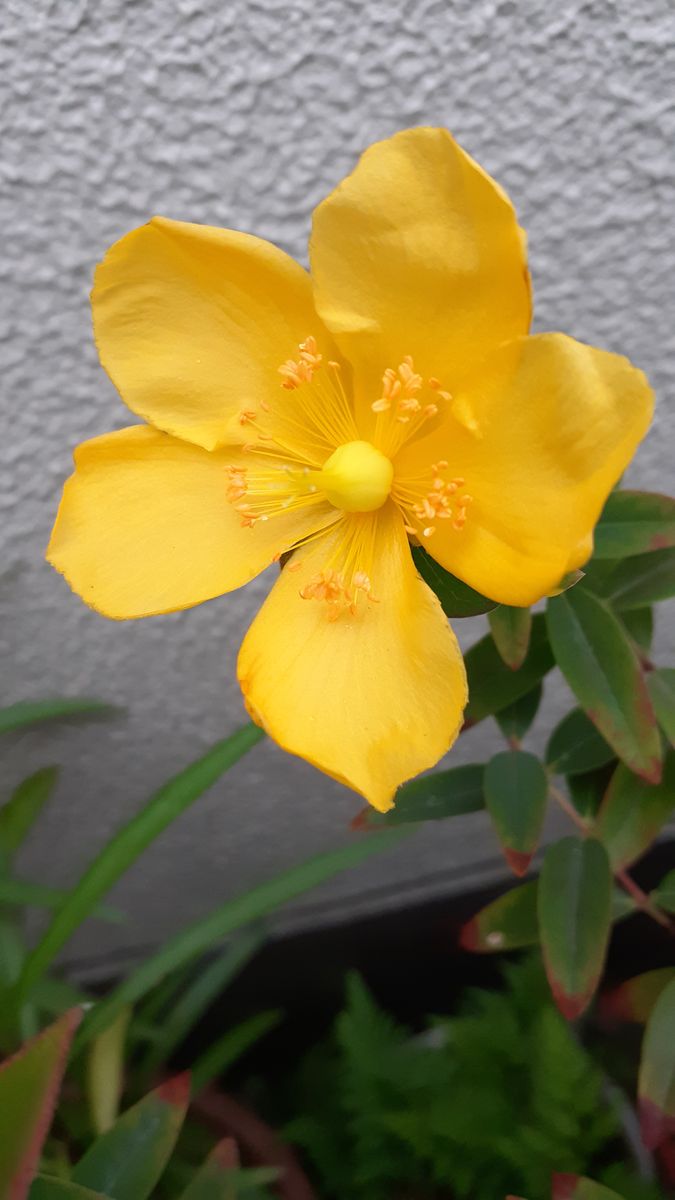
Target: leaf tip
column 176, row 1090
column 518, row 860
column 570, row 1005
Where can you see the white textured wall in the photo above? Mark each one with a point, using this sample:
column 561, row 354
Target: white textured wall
column 243, row 114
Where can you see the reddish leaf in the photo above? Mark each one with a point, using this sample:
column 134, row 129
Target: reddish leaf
column 578, row 1187
column 634, row 999
column 656, row 1084
column 128, row 1159
column 601, row 666
column 575, row 909
column 508, row 923
column 516, row 789
column 634, row 523
column 661, row 686
column 633, row 812
column 29, row 1086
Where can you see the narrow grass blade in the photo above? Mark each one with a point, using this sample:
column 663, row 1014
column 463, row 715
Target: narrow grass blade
column 22, row 809
column 233, row 914
column 216, row 1060
column 201, row 993
column 125, row 847
column 33, row 712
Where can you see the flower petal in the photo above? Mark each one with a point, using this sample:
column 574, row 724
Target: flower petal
column 145, row 527
column 371, row 699
column 418, row 252
column 555, row 422
column 192, row 324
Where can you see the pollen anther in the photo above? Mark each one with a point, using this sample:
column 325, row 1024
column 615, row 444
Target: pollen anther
column 296, row 372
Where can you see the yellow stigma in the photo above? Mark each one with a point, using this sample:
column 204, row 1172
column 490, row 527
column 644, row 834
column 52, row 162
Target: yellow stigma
column 356, row 478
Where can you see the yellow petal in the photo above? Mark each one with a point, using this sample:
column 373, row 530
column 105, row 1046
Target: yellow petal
column 557, row 422
column 371, row 699
column 192, row 324
column 145, row 527
column 418, row 252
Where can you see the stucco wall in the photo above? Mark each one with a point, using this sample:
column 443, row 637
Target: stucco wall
column 245, row 115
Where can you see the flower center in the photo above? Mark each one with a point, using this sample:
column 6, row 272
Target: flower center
column 356, row 478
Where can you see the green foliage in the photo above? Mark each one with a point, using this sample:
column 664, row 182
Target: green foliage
column 483, row 1104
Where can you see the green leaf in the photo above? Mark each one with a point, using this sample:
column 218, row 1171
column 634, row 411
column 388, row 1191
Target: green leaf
column 639, row 624
column 201, row 993
column 228, row 1048
column 634, row 999
column 634, row 523
column 587, row 791
column 35, row 895
column 128, row 1160
column 129, row 843
column 578, row 1187
column 661, row 685
column 511, row 628
column 53, row 996
column 431, row 798
column 492, row 685
column 515, row 720
column 47, row 1188
column 33, row 712
column 221, row 1179
column 576, row 746
column 516, row 789
column 569, row 580
column 508, row 923
column 29, row 1086
column 656, row 1083
column 457, row 598
column 105, row 1072
column 574, row 902
column 26, row 804
column 664, row 894
column 645, row 579
column 214, row 1181
column 602, row 669
column 633, row 812
column 224, row 920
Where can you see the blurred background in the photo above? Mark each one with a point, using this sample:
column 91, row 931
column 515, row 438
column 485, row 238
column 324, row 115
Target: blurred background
column 245, row 115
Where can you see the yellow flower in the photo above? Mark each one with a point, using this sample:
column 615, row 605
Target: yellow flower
column 394, row 393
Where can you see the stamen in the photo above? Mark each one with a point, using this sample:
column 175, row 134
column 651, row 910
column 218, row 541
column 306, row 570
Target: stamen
column 344, row 583
column 294, row 373
column 440, row 503
column 400, row 398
